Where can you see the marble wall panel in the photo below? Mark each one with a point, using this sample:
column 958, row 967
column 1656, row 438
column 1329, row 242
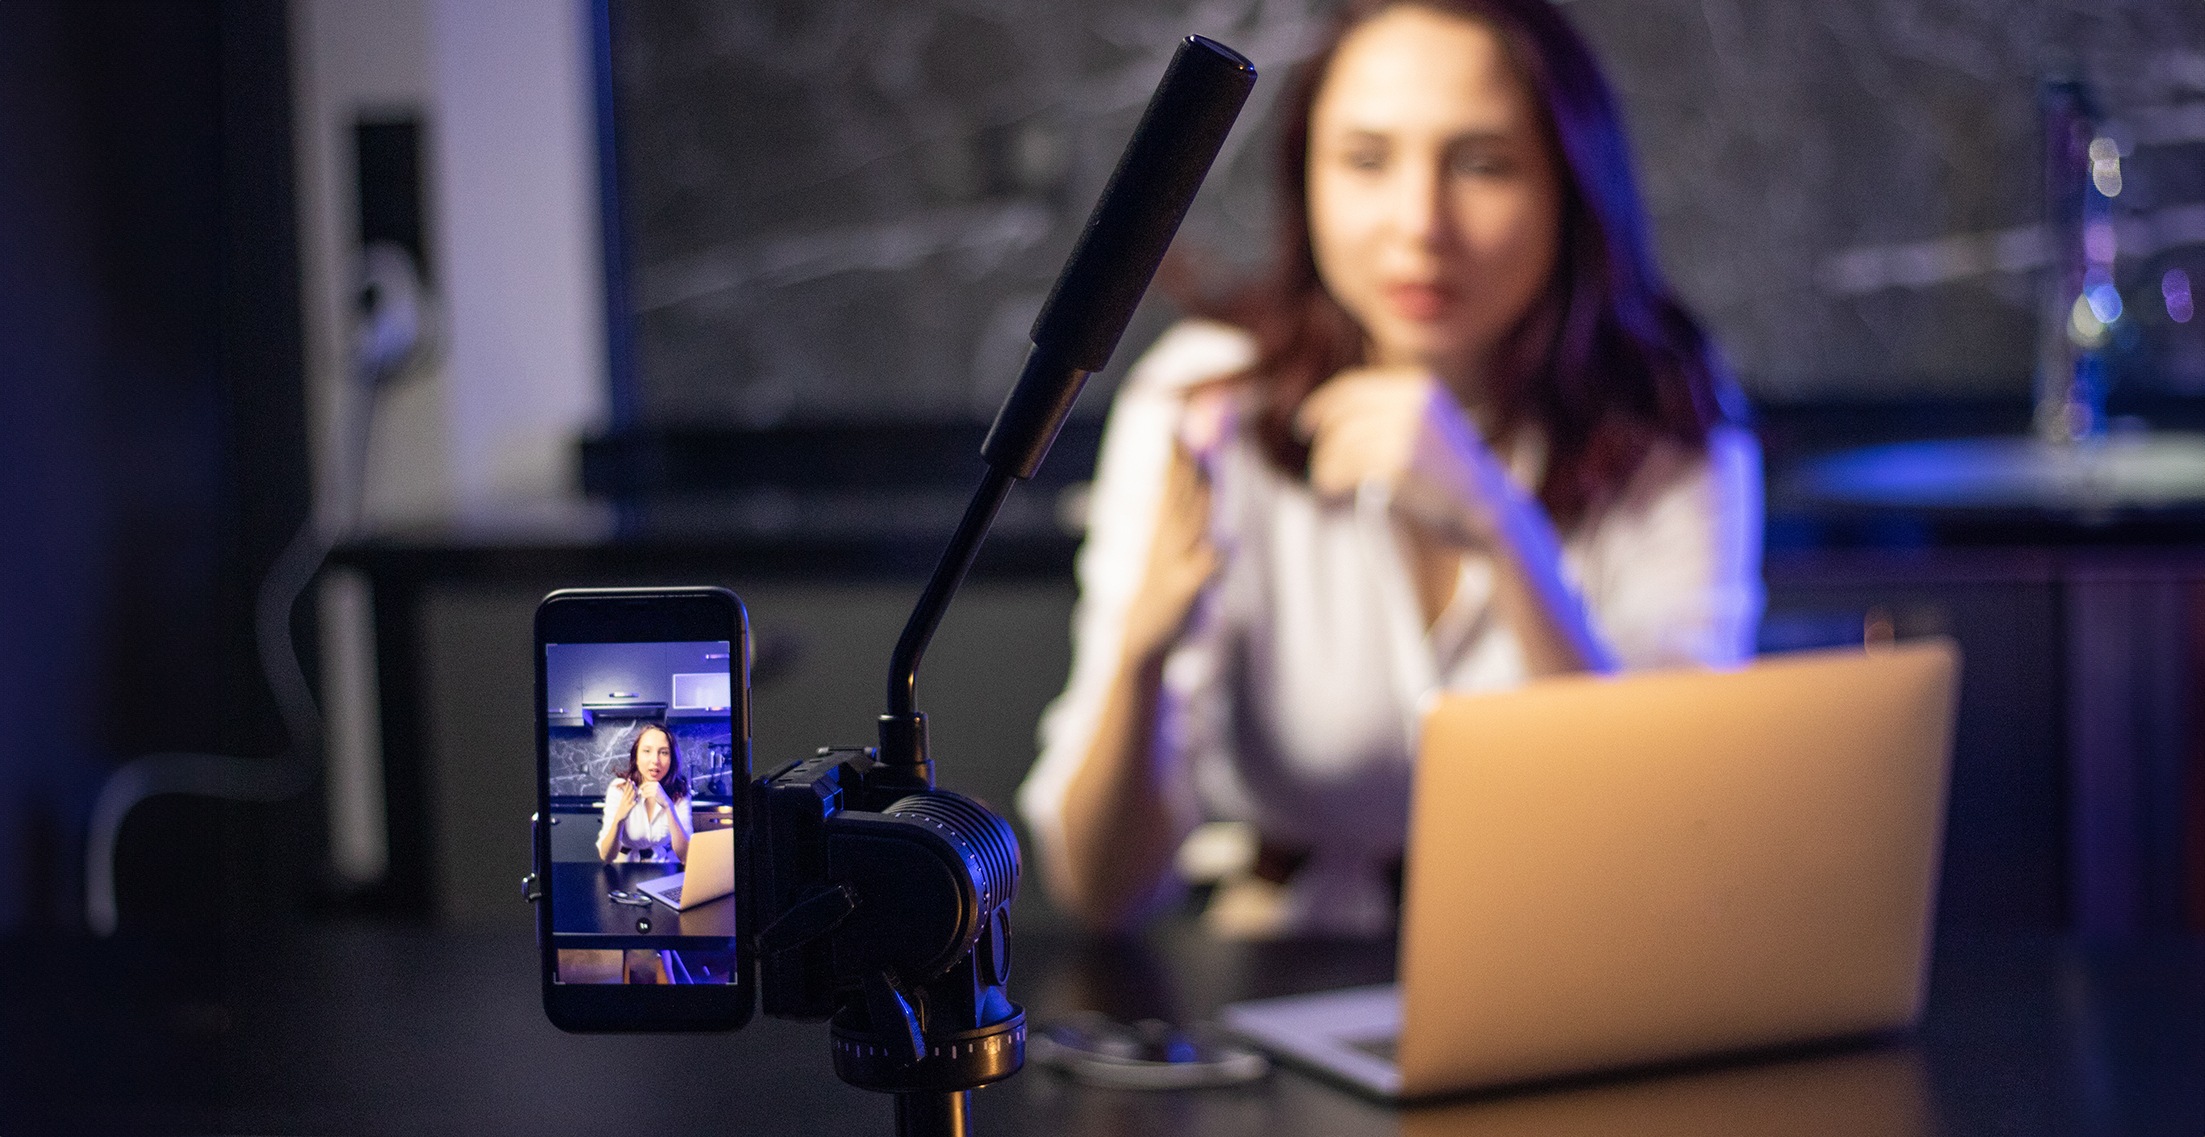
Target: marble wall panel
column 584, row 760
column 1850, row 192
column 851, row 209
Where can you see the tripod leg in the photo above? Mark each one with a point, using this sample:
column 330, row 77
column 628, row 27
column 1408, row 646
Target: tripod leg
column 932, row 1115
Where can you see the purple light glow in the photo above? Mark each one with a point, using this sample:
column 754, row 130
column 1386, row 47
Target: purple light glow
column 2174, row 287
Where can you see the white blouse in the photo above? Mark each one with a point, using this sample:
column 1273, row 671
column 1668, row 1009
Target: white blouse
column 1292, row 699
column 646, row 834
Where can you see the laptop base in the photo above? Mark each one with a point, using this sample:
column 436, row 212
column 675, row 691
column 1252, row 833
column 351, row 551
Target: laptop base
column 1348, row 1034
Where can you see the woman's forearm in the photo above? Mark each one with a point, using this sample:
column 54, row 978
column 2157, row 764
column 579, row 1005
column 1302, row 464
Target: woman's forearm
column 678, row 829
column 608, row 835
column 1532, row 597
column 1118, row 829
column 616, row 816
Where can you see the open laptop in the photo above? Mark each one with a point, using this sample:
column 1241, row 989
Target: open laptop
column 1613, row 872
column 708, row 874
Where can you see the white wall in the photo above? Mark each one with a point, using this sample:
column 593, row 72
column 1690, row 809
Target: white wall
column 351, row 57
column 514, row 176
column 484, row 434
column 510, row 169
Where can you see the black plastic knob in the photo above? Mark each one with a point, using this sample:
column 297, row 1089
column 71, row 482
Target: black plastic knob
column 962, row 1060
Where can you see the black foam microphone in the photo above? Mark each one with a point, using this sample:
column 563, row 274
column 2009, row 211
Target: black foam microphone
column 1125, row 239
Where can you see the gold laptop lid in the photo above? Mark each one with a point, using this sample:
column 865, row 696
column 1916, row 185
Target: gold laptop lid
column 710, row 871
column 1607, row 872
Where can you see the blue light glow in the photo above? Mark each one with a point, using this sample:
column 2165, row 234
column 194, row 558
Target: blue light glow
column 2121, row 470
column 2105, row 303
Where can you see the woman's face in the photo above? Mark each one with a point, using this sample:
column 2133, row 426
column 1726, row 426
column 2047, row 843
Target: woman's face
column 1434, row 205
column 654, row 755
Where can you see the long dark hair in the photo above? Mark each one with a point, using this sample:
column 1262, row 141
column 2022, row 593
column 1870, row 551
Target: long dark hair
column 676, row 781
column 1606, row 362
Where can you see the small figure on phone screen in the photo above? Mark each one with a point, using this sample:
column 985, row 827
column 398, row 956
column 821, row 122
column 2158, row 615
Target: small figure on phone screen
column 647, row 806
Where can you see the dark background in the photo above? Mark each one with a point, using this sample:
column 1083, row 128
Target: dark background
column 152, row 432
column 152, row 463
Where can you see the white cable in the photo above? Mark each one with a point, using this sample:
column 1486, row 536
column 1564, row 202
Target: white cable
column 391, row 340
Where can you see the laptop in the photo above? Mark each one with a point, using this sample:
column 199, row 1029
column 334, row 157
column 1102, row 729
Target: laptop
column 708, row 874
column 1615, row 872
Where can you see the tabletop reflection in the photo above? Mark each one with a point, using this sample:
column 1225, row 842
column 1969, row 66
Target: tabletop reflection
column 1880, row 1091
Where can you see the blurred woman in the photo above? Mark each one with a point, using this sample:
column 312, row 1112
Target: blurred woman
column 1459, row 437
column 647, row 807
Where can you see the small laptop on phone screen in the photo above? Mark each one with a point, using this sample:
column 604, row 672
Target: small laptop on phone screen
column 1615, row 872
column 708, row 875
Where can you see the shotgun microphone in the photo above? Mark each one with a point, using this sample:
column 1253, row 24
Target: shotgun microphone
column 1125, row 239
column 1132, row 225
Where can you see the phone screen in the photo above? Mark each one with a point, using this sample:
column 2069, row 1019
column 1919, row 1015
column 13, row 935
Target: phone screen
column 643, row 762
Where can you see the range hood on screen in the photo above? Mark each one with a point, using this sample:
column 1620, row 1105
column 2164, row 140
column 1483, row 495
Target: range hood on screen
column 594, row 713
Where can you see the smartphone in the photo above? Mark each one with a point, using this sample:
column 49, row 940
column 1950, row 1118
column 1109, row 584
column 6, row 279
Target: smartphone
column 642, row 822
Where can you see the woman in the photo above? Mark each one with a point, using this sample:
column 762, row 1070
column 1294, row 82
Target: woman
column 1460, row 437
column 647, row 807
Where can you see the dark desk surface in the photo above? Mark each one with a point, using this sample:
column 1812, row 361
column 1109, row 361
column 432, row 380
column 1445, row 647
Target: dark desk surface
column 588, row 917
column 386, row 1029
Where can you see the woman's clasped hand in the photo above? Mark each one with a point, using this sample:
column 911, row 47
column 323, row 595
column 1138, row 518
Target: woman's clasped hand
column 1399, row 430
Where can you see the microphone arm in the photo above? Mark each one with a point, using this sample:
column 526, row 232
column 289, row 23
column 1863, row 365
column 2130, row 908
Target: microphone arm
column 1133, row 223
